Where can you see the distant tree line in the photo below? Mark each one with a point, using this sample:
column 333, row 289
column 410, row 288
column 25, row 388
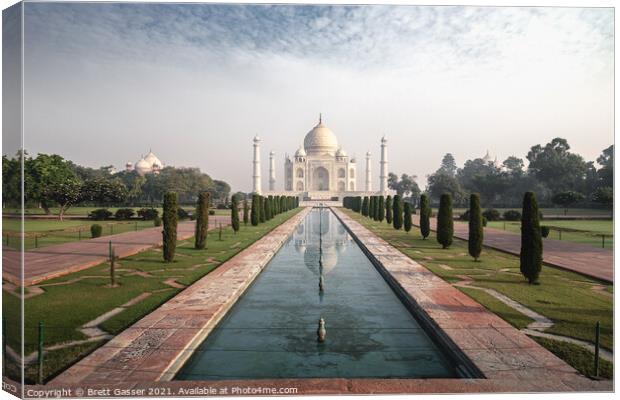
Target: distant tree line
column 52, row 181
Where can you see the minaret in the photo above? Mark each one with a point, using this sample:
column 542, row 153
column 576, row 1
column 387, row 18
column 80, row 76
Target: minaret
column 368, row 177
column 256, row 174
column 272, row 171
column 384, row 166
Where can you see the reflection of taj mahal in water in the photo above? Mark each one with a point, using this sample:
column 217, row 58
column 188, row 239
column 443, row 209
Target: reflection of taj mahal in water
column 320, row 169
column 334, row 240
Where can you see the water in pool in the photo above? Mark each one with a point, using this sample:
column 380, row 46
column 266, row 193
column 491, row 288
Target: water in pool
column 272, row 330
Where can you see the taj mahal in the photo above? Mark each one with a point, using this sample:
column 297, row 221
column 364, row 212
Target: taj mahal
column 320, row 169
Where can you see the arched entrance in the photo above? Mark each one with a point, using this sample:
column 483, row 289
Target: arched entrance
column 320, row 179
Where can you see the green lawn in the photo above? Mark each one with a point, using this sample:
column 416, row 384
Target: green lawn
column 51, row 232
column 578, row 231
column 65, row 307
column 565, row 297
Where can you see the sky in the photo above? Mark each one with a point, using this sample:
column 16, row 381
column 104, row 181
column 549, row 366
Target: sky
column 104, row 83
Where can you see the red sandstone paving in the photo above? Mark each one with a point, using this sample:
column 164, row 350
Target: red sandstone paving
column 58, row 260
column 586, row 260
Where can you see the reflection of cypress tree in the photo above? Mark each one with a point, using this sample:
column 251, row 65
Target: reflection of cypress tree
column 398, row 212
column 407, row 217
column 255, row 210
column 202, row 220
column 425, row 216
column 531, row 239
column 234, row 214
column 445, row 223
column 365, row 206
column 476, row 231
column 388, row 209
column 381, row 215
column 170, row 220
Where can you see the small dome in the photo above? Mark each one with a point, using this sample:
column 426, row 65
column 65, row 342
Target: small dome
column 153, row 161
column 300, row 152
column 487, row 157
column 256, row 139
column 320, row 140
column 143, row 167
column 341, row 153
column 384, row 139
column 368, row 154
column 353, row 161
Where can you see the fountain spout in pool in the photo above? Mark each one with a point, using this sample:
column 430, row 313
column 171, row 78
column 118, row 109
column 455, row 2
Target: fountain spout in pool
column 321, row 332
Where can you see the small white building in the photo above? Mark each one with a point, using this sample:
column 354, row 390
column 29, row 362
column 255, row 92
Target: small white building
column 148, row 164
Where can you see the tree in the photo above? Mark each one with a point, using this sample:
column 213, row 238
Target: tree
column 388, row 209
column 606, row 161
column 407, row 217
column 531, row 240
column 448, row 165
column 265, row 213
column 262, row 216
column 234, row 214
column 375, row 208
column 365, row 206
column 476, row 229
column 65, row 194
column 202, row 220
column 445, row 222
column 567, row 199
column 170, row 220
column 398, row 212
column 440, row 183
column 556, row 167
column 44, row 176
column 405, row 186
column 604, row 195
column 246, row 212
column 104, row 192
column 514, row 166
column 425, row 216
column 255, row 218
column 371, row 201
column 381, row 216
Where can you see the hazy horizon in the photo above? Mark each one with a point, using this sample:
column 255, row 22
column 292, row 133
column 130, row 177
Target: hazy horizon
column 104, row 82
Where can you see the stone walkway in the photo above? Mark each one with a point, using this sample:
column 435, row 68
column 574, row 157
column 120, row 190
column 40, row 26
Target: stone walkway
column 58, row 260
column 154, row 348
column 583, row 259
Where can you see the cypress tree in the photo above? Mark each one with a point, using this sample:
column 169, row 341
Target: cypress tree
column 397, row 209
column 407, row 217
column 282, row 205
column 255, row 213
column 358, row 204
column 381, row 215
column 531, row 239
column 388, row 210
column 277, row 200
column 202, row 220
column 476, row 231
column 246, row 212
column 234, row 214
column 425, row 216
column 267, row 208
column 445, row 223
column 272, row 207
column 365, row 206
column 371, row 207
column 261, row 209
column 375, row 208
column 170, row 220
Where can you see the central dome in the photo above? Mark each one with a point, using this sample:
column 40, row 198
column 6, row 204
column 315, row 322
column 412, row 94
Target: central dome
column 320, row 140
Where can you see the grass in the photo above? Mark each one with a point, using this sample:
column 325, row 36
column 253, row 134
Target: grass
column 67, row 304
column 563, row 296
column 578, row 231
column 51, row 232
column 510, row 315
column 579, row 358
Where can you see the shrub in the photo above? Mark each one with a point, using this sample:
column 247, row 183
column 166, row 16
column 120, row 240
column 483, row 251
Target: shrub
column 425, row 214
column 445, row 223
column 95, row 230
column 464, row 216
column 476, row 233
column 491, row 214
column 148, row 213
column 100, row 214
column 202, row 220
column 531, row 240
column 484, row 221
column 222, row 206
column 183, row 214
column 512, row 215
column 397, row 209
column 407, row 217
column 157, row 221
column 234, row 214
column 170, row 220
column 124, row 213
column 544, row 231
column 211, row 212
